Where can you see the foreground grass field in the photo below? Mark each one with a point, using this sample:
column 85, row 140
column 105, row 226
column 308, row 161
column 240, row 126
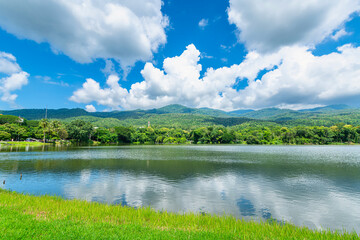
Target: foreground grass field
column 46, row 217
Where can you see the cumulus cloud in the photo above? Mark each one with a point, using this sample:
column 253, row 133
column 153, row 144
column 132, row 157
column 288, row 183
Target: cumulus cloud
column 113, row 96
column 301, row 78
column 267, row 26
column 12, row 78
column 179, row 82
column 8, row 64
column 294, row 78
column 90, row 108
column 85, row 30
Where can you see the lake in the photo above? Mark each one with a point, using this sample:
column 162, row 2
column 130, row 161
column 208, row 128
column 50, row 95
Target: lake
column 314, row 186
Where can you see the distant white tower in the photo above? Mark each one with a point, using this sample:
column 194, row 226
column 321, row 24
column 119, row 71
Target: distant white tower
column 148, row 123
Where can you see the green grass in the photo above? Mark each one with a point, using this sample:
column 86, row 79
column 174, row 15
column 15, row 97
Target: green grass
column 23, row 143
column 46, row 217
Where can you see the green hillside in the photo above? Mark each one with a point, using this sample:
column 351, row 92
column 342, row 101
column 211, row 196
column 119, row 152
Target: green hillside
column 328, row 108
column 10, row 119
column 176, row 108
column 326, row 119
column 180, row 116
column 271, row 113
column 36, row 114
column 181, row 120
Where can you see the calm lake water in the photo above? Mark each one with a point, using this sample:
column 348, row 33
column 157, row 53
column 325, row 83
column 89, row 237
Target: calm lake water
column 315, row 186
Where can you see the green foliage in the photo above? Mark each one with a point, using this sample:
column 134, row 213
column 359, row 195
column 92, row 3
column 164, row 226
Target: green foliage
column 5, row 135
column 105, row 135
column 58, row 130
column 247, row 133
column 123, row 134
column 16, row 131
column 270, row 113
column 44, row 124
column 326, row 125
column 32, row 123
column 186, row 118
column 11, row 119
column 96, row 121
column 80, row 131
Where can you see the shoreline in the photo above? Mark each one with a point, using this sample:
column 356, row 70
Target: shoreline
column 23, row 143
column 48, row 217
column 95, row 144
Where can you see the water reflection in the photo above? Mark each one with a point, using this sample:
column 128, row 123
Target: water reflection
column 246, row 207
column 20, row 148
column 313, row 186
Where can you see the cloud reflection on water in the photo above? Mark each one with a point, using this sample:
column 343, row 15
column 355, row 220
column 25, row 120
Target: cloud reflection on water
column 250, row 197
column 316, row 186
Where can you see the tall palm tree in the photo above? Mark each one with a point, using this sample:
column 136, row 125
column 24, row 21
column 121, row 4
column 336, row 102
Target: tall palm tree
column 44, row 124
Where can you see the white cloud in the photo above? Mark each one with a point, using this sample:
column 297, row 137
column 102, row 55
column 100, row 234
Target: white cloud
column 203, row 23
column 109, row 68
column 90, row 108
column 13, row 77
column 180, row 82
column 266, row 26
column 85, row 30
column 113, row 96
column 301, row 78
column 339, row 34
column 8, row 64
column 295, row 78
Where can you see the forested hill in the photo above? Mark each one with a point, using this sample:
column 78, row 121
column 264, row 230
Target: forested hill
column 180, row 115
column 36, row 114
column 266, row 114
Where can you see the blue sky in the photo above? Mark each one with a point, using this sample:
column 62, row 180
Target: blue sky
column 116, row 55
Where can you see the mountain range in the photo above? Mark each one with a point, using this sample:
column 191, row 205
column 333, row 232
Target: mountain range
column 36, row 114
column 176, row 113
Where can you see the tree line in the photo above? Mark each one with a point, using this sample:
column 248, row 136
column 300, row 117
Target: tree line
column 80, row 131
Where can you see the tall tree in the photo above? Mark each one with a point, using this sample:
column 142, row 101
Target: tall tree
column 45, row 125
column 80, row 130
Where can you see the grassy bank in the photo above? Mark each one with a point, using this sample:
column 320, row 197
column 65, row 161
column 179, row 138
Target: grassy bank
column 22, row 143
column 95, row 143
column 30, row 217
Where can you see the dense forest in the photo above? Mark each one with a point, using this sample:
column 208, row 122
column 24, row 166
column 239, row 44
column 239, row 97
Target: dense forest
column 79, row 131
